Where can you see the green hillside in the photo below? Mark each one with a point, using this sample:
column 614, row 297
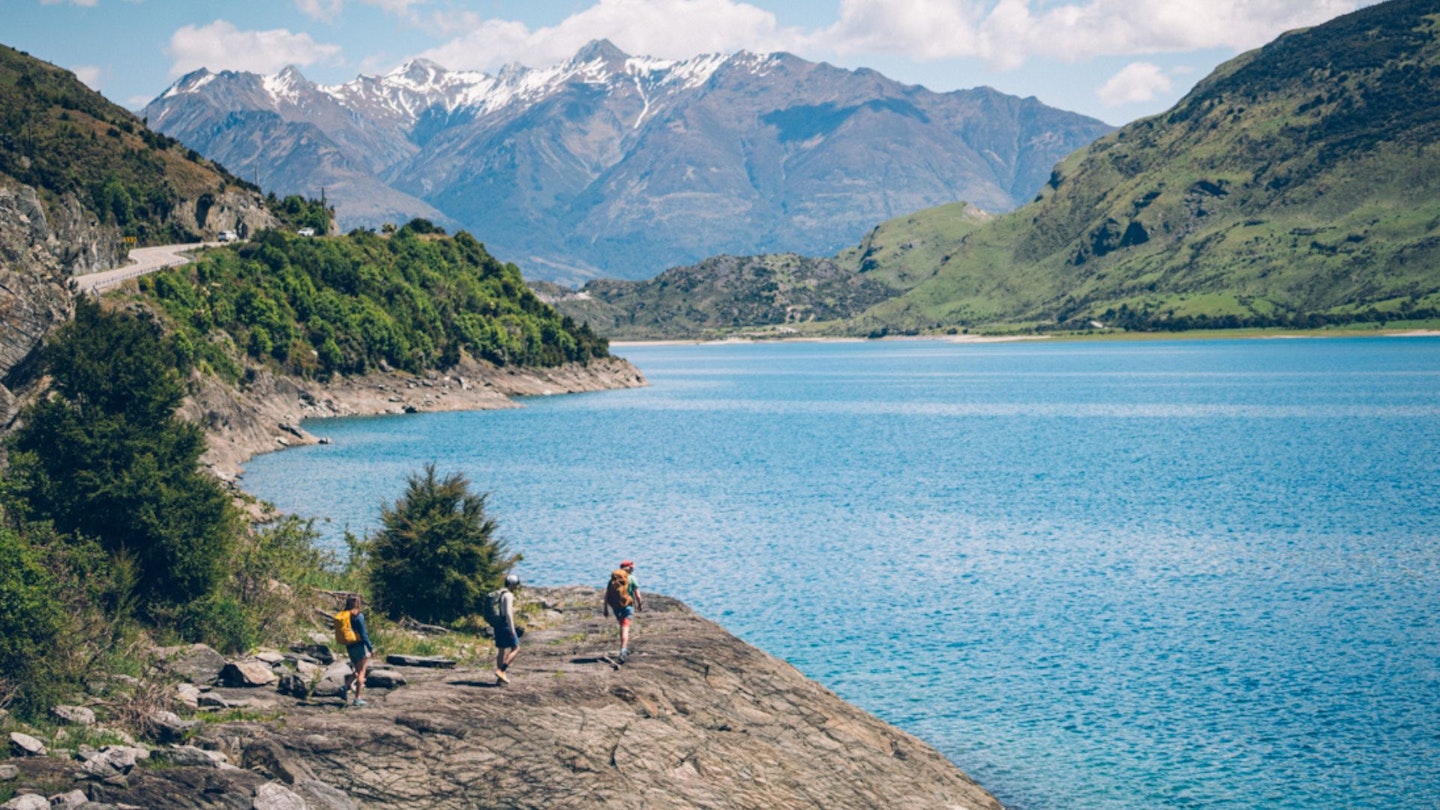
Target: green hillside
column 363, row 302
column 1297, row 185
column 774, row 294
column 60, row 137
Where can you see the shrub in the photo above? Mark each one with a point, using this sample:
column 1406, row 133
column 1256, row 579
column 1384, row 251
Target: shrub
column 105, row 457
column 436, row 554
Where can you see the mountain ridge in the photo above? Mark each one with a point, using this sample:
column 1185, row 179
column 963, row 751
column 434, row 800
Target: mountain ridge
column 621, row 166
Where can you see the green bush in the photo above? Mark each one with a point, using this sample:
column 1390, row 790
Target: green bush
column 31, row 618
column 54, row 626
column 105, row 457
column 436, row 554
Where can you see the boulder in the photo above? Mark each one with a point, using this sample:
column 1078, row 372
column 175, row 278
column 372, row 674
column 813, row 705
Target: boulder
column 332, row 682
column 383, row 679
column 74, row 715
column 110, row 760
column 319, row 651
column 74, row 798
column 168, row 727
column 188, row 694
column 293, row 684
column 196, row 663
column 274, row 796
column 248, row 674
column 270, row 657
column 8, row 772
column 23, row 745
column 27, row 801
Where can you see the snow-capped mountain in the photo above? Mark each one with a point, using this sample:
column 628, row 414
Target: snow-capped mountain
column 621, row 166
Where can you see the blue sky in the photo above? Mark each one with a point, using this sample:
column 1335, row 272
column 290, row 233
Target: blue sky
column 1114, row 59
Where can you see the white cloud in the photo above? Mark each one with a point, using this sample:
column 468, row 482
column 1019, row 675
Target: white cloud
column 84, row 3
column 222, row 46
column 1006, row 33
column 323, row 10
column 1137, row 82
column 674, row 29
column 89, row 74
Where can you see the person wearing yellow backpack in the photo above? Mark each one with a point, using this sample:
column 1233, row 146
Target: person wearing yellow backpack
column 350, row 631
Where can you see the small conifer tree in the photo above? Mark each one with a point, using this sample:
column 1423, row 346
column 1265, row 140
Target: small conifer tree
column 436, row 554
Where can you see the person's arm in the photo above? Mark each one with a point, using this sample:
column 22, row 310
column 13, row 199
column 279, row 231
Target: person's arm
column 509, row 604
column 635, row 591
column 359, row 622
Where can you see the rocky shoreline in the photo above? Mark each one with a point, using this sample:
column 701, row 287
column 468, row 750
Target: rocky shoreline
column 694, row 718
column 264, row 412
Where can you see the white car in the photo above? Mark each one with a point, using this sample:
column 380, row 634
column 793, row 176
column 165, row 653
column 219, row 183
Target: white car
column 227, row 236
column 306, row 232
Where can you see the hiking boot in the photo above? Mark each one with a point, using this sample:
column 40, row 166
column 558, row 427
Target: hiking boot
column 360, row 702
column 501, row 678
column 624, row 653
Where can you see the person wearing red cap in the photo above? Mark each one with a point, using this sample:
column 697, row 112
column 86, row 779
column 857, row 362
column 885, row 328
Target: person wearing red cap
column 622, row 595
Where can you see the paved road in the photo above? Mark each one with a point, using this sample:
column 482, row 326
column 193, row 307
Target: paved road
column 142, row 261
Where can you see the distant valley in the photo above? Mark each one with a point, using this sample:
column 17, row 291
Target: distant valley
column 617, row 166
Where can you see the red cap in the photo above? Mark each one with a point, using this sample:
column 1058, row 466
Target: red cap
column 627, row 564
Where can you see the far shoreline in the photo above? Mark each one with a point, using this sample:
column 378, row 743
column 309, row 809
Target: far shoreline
column 1067, row 337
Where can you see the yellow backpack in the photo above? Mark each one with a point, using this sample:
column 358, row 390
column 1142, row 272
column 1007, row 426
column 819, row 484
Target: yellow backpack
column 344, row 633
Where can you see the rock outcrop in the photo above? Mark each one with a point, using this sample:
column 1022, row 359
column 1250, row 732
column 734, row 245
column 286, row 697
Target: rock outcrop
column 39, row 251
column 694, row 718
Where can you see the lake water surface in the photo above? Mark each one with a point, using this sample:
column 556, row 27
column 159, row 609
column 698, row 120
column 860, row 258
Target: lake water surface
column 1095, row 575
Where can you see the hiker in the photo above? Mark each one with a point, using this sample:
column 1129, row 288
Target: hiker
column 350, row 631
column 507, row 639
column 622, row 595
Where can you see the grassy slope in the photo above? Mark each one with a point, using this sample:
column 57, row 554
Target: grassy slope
column 60, row 137
column 1298, row 179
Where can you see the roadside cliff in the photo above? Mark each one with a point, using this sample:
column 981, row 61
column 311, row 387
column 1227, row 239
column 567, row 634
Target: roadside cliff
column 39, row 251
column 694, row 718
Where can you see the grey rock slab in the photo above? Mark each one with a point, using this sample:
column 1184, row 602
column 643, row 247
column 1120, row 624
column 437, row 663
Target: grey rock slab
column 190, row 756
column 27, row 801
column 23, row 745
column 384, row 679
column 74, row 715
column 248, row 674
column 274, row 796
column 196, row 663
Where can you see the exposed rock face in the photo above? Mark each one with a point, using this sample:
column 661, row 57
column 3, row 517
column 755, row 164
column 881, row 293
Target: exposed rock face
column 695, row 718
column 38, row 254
column 238, row 211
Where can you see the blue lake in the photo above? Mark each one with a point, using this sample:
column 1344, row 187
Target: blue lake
column 1095, row 575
